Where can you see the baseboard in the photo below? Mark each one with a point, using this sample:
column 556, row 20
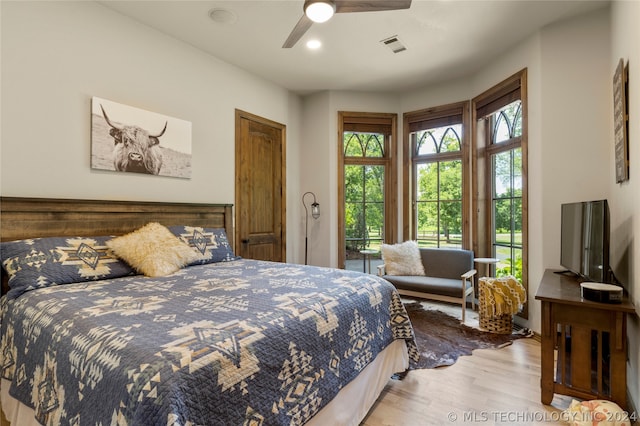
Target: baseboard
column 632, row 410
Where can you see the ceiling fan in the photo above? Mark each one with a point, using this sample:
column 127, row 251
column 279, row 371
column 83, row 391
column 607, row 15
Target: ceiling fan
column 323, row 10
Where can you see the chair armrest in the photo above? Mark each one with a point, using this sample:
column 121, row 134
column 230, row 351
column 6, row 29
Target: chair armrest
column 467, row 275
column 380, row 270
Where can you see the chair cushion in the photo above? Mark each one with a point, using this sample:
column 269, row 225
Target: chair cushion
column 434, row 285
column 445, row 262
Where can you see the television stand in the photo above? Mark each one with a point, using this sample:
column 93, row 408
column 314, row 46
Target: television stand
column 589, row 338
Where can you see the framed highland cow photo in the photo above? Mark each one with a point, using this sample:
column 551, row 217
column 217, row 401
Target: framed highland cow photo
column 133, row 140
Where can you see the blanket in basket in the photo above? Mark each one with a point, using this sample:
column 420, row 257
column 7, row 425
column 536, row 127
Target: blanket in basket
column 501, row 296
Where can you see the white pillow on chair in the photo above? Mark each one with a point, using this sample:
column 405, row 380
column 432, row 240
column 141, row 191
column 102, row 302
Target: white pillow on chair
column 402, row 259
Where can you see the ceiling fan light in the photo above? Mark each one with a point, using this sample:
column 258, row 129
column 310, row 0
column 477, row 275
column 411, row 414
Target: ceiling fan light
column 319, row 11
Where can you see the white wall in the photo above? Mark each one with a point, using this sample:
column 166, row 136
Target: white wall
column 575, row 131
column 624, row 198
column 57, row 55
column 315, row 163
column 576, row 119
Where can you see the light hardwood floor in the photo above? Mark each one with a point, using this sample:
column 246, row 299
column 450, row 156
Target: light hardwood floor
column 493, row 386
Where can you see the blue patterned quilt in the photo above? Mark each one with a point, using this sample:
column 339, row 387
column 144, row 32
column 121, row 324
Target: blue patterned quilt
column 242, row 342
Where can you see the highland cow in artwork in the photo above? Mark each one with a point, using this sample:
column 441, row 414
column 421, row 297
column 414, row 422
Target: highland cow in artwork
column 133, row 140
column 135, row 150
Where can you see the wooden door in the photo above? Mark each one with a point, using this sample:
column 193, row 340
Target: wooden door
column 260, row 188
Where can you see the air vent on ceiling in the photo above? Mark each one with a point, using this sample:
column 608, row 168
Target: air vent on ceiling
column 394, row 44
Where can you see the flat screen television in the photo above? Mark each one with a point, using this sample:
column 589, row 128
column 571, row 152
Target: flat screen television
column 584, row 248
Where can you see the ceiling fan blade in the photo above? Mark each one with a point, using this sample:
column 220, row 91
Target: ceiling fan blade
column 298, row 31
column 348, row 6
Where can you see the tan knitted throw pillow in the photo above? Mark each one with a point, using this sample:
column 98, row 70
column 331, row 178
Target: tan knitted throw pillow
column 153, row 250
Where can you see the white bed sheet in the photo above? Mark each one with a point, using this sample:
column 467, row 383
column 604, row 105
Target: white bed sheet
column 348, row 408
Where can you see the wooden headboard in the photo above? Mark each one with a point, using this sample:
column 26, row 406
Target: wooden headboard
column 46, row 217
column 22, row 218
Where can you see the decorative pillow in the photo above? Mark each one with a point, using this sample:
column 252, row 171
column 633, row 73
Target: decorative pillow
column 402, row 259
column 153, row 250
column 44, row 262
column 211, row 243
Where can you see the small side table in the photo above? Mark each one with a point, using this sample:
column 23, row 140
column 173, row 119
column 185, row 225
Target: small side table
column 487, row 261
column 367, row 257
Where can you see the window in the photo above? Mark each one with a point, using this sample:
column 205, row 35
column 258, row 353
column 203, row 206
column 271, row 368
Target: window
column 367, row 190
column 436, row 163
column 501, row 145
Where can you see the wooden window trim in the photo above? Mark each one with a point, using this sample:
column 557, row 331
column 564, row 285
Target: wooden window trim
column 443, row 115
column 505, row 92
column 386, row 123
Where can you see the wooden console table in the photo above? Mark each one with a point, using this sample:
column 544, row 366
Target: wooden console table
column 590, row 339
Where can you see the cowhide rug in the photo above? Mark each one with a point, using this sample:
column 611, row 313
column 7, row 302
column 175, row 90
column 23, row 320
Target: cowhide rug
column 441, row 339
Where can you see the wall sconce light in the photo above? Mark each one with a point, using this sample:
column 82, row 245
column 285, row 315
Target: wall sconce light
column 315, row 212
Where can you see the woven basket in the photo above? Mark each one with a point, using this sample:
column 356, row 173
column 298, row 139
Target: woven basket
column 502, row 324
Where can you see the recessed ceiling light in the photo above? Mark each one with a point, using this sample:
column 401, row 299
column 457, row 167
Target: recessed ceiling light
column 314, row 44
column 223, row 16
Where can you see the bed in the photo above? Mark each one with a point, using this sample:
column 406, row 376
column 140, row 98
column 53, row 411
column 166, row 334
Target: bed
column 221, row 341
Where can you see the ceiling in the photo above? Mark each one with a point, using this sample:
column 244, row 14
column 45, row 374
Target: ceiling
column 445, row 39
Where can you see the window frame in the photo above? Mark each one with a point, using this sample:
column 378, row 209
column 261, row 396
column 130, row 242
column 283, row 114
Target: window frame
column 440, row 116
column 509, row 90
column 373, row 123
